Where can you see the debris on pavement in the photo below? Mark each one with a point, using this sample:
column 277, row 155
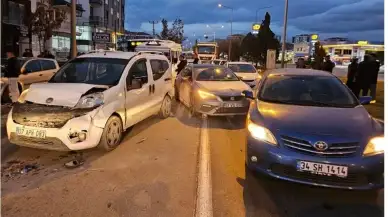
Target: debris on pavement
column 74, row 164
column 141, row 140
column 15, row 168
column 27, row 168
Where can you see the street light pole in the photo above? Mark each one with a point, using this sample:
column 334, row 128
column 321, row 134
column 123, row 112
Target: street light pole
column 73, row 29
column 231, row 29
column 284, row 32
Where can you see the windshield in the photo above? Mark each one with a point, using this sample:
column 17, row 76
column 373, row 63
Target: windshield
column 242, row 68
column 216, row 74
column 206, row 49
column 189, row 56
column 307, row 90
column 99, row 71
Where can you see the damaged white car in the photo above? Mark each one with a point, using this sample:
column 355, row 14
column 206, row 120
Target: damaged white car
column 91, row 101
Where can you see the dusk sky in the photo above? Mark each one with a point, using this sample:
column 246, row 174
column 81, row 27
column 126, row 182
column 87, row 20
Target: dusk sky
column 355, row 19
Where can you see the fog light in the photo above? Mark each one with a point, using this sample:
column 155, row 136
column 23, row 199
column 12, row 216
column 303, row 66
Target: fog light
column 254, row 159
column 82, row 136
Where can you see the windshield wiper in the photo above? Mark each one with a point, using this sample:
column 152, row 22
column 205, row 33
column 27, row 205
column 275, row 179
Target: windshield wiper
column 310, row 103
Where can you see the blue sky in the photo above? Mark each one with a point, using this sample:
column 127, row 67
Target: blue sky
column 356, row 19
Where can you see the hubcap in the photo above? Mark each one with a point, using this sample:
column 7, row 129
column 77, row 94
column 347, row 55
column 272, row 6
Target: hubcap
column 114, row 132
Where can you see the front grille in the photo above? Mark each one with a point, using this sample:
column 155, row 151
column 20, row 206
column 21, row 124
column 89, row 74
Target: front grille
column 232, row 98
column 224, row 110
column 334, row 150
column 352, row 180
column 37, row 115
column 49, row 143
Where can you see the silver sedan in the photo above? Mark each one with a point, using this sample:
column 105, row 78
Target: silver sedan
column 212, row 90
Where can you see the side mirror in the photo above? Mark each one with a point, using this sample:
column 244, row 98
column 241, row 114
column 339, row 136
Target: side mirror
column 239, row 77
column 135, row 84
column 248, row 94
column 365, row 100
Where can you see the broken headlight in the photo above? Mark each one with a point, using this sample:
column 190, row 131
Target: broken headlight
column 91, row 100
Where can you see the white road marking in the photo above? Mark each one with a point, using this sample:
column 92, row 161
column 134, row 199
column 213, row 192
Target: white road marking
column 204, row 206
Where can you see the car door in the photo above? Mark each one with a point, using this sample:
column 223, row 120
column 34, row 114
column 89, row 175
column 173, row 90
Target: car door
column 185, row 86
column 31, row 72
column 137, row 101
column 49, row 67
column 162, row 77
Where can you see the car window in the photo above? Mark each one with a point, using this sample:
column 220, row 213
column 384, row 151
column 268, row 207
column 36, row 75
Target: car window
column 100, row 71
column 216, row 74
column 47, row 64
column 159, row 67
column 216, row 62
column 186, row 72
column 138, row 71
column 242, row 68
column 307, row 90
column 33, row 66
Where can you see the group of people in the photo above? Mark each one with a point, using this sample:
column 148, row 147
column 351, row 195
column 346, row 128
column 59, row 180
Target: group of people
column 363, row 76
column 327, row 65
column 45, row 54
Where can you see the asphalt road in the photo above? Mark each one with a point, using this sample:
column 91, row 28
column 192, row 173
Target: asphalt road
column 154, row 173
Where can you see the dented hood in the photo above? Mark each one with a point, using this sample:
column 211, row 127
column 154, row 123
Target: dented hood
column 62, row 94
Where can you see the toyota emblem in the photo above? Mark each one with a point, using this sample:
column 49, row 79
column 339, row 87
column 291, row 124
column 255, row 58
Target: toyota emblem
column 232, row 98
column 49, row 100
column 321, row 146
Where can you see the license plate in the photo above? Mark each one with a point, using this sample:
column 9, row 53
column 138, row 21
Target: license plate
column 232, row 105
column 322, row 169
column 23, row 131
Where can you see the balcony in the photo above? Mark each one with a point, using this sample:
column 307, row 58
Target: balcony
column 96, row 21
column 96, row 3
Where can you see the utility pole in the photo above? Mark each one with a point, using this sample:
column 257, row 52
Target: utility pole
column 73, row 23
column 284, row 32
column 153, row 22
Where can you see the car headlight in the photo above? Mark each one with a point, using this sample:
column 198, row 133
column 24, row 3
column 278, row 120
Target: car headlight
column 206, row 95
column 375, row 146
column 261, row 133
column 91, row 100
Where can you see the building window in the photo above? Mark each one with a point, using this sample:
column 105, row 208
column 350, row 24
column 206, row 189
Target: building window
column 118, row 15
column 347, row 52
column 337, row 52
column 106, row 1
column 111, row 11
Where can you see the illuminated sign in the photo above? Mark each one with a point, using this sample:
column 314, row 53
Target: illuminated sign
column 362, row 42
column 255, row 28
column 314, row 37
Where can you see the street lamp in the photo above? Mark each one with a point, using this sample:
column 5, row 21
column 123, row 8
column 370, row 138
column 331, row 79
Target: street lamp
column 214, row 32
column 284, row 31
column 231, row 28
column 257, row 10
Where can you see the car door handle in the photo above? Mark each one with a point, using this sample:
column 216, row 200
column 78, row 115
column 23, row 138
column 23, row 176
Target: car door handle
column 167, row 79
column 40, row 74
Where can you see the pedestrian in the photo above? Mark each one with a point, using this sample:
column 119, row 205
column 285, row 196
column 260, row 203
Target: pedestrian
column 196, row 59
column 352, row 71
column 301, row 63
column 12, row 73
column 181, row 65
column 48, row 54
column 27, row 53
column 363, row 77
column 373, row 76
column 328, row 65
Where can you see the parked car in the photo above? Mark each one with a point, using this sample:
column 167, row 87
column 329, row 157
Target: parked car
column 246, row 72
column 91, row 101
column 33, row 70
column 212, row 90
column 306, row 126
column 219, row 62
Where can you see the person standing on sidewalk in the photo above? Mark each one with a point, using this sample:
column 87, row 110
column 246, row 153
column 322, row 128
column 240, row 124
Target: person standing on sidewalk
column 352, row 71
column 373, row 76
column 363, row 77
column 12, row 73
column 328, row 65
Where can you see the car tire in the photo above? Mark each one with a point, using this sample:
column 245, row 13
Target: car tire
column 176, row 95
column 165, row 109
column 112, row 135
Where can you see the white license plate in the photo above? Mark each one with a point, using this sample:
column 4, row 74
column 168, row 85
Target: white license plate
column 322, row 169
column 23, row 131
column 232, row 105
